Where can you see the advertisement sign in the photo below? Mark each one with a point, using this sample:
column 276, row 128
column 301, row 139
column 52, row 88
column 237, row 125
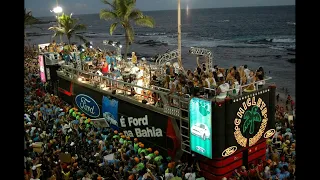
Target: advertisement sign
column 87, row 105
column 201, row 126
column 136, row 121
column 42, row 72
column 110, row 112
column 248, row 119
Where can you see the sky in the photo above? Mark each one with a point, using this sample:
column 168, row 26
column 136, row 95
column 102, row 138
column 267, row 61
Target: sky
column 41, row 8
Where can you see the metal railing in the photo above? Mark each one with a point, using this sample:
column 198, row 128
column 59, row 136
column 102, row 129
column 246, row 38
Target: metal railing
column 51, row 58
column 111, row 85
column 158, row 96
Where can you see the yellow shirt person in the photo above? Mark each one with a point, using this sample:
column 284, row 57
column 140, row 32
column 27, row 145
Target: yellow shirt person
column 134, row 58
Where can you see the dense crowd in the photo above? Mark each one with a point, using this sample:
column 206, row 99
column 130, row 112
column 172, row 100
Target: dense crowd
column 61, row 143
column 216, row 82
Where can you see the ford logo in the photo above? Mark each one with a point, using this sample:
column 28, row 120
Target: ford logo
column 87, row 105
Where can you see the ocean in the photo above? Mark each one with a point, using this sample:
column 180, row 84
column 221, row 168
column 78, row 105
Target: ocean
column 255, row 36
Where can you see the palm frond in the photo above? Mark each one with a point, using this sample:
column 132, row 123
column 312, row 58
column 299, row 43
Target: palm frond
column 135, row 14
column 81, row 37
column 57, row 33
column 57, row 29
column 107, row 14
column 121, row 7
column 80, row 27
column 129, row 7
column 145, row 21
column 29, row 19
column 111, row 4
column 113, row 27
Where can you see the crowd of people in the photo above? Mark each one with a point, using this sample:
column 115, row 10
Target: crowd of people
column 61, row 143
column 216, row 82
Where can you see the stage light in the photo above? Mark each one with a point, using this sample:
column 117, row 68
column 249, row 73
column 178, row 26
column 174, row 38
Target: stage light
column 120, row 46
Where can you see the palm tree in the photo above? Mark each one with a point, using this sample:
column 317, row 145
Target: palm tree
column 123, row 12
column 68, row 26
column 250, row 117
column 28, row 20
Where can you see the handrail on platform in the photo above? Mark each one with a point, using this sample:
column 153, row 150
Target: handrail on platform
column 161, row 97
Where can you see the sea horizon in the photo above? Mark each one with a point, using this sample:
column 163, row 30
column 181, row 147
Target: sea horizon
column 255, row 36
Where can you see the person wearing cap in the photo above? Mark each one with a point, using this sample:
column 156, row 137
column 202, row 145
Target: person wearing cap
column 145, row 151
column 243, row 172
column 282, row 162
column 71, row 110
column 141, row 147
column 127, row 141
column 151, row 155
column 136, row 144
column 122, row 139
column 288, row 132
column 157, row 157
column 139, row 166
column 115, row 136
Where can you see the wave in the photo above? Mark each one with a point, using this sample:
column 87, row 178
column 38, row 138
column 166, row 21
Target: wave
column 284, row 40
column 214, row 43
column 291, row 23
column 278, row 48
column 37, row 34
column 92, row 34
column 257, row 41
column 227, row 20
column 152, row 34
column 270, row 40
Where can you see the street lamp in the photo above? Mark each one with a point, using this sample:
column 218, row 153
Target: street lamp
column 57, row 10
column 179, row 34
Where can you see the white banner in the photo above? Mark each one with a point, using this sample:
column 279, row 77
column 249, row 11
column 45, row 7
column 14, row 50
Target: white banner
column 100, row 123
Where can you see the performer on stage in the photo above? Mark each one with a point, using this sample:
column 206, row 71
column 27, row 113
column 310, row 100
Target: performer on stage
column 140, row 81
column 134, row 58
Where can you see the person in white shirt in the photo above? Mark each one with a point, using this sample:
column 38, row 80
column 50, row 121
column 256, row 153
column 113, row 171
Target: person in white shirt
column 223, row 88
column 190, row 175
column 168, row 175
column 246, row 70
column 139, row 81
